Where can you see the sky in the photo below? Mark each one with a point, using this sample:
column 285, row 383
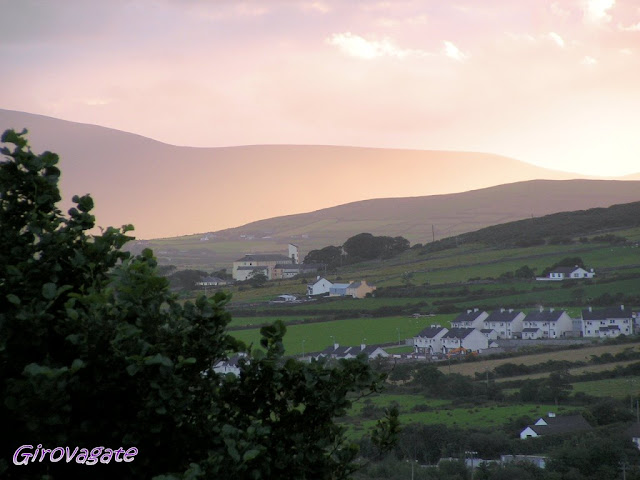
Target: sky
column 552, row 83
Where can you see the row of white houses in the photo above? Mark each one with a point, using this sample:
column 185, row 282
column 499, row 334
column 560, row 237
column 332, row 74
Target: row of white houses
column 475, row 330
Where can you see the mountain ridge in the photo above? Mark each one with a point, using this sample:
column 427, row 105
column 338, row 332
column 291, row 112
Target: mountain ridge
column 167, row 191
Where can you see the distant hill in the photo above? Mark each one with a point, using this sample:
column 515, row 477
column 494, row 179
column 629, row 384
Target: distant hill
column 417, row 219
column 555, row 228
column 166, row 190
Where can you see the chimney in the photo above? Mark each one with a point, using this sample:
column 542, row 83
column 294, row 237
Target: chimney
column 475, row 309
column 362, row 346
column 551, row 309
column 335, row 346
column 511, row 310
column 502, row 310
column 468, row 311
column 590, row 309
column 622, row 307
column 551, row 415
column 541, row 309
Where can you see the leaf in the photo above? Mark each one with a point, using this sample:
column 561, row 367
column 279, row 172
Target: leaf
column 13, row 299
column 250, row 455
column 49, row 291
column 133, row 369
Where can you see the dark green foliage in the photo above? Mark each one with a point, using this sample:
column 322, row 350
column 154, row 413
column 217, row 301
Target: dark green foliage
column 185, row 279
column 95, row 350
column 366, row 246
column 565, row 262
column 330, row 256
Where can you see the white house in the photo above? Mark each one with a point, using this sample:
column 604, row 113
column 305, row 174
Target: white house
column 230, row 365
column 568, row 273
column 470, row 319
column 506, row 323
column 429, row 340
column 211, row 282
column 320, row 287
column 607, row 322
column 553, row 425
column 336, row 351
column 546, row 324
column 467, row 338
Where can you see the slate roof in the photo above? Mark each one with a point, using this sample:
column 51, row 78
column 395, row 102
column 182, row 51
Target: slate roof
column 560, row 425
column 458, row 333
column 530, row 330
column 545, row 316
column 212, row 280
column 430, row 332
column 486, row 330
column 604, row 313
column 498, row 316
column 565, row 270
column 468, row 317
column 264, row 257
column 255, row 267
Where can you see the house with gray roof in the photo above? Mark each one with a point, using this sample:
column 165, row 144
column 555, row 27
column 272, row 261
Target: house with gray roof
column 466, row 338
column 506, row 323
column 429, row 340
column 338, row 352
column 607, row 322
column 568, row 273
column 554, row 425
column 470, row 319
column 546, row 324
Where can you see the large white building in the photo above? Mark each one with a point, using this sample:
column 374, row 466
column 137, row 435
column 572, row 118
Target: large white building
column 546, row 324
column 607, row 322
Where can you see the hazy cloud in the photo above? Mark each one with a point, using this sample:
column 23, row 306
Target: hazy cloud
column 357, row 46
column 451, row 51
column 596, row 11
column 557, row 39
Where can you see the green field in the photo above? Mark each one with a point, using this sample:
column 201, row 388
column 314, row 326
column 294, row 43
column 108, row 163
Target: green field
column 314, row 337
column 481, row 417
column 610, row 387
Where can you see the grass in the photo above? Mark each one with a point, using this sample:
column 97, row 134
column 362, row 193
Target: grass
column 314, row 337
column 493, row 416
column 610, row 387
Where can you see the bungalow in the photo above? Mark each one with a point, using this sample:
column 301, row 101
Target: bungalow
column 466, row 338
column 506, row 323
column 607, row 322
column 320, row 287
column 568, row 273
column 553, row 425
column 470, row 319
column 338, row 352
column 549, row 324
column 338, row 289
column 429, row 340
column 360, row 289
column 230, row 365
column 211, row 282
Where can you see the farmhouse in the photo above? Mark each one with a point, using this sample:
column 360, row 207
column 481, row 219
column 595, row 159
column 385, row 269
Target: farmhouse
column 429, row 340
column 320, row 287
column 506, row 323
column 470, row 319
column 568, row 273
column 360, row 289
column 553, row 425
column 265, row 263
column 607, row 322
column 546, row 324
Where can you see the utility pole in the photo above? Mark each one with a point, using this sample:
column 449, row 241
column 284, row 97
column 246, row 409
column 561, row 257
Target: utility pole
column 433, row 232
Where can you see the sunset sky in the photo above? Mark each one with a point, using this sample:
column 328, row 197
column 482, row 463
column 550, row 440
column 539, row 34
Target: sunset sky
column 553, row 83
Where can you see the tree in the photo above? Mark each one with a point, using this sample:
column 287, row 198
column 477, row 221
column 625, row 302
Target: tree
column 330, row 256
column 96, row 351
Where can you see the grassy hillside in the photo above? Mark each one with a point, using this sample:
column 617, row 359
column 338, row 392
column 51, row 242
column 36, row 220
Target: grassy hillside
column 418, row 219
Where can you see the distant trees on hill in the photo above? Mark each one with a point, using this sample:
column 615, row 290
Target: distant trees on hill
column 360, row 247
